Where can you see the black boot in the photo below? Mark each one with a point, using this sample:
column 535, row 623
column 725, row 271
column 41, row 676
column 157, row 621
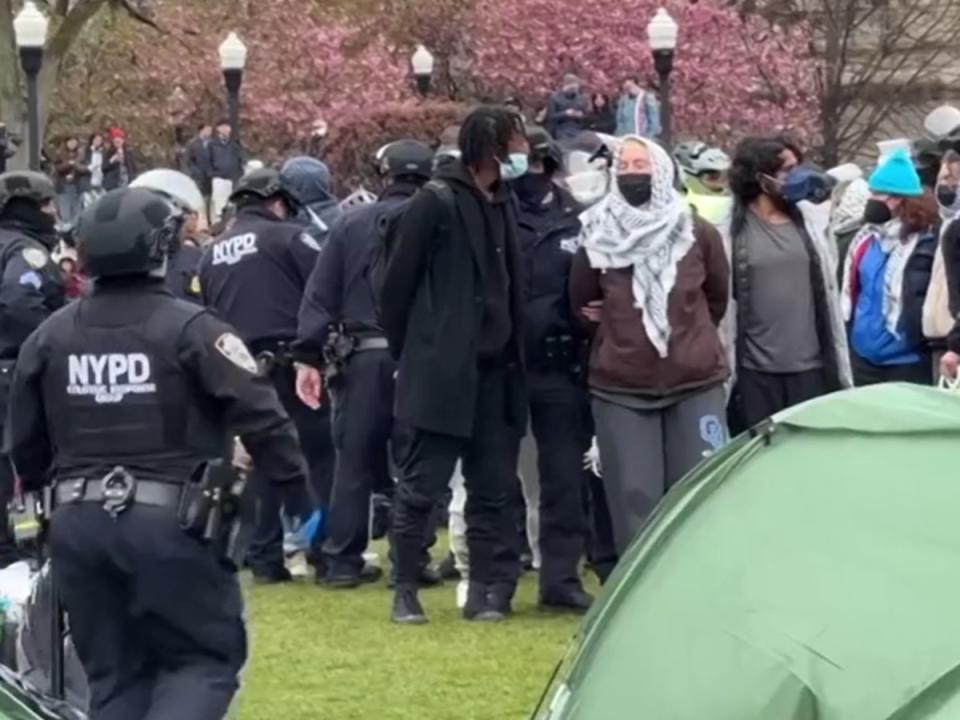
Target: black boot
column 448, row 569
column 345, row 581
column 407, row 609
column 272, row 575
column 500, row 597
column 478, row 606
column 572, row 600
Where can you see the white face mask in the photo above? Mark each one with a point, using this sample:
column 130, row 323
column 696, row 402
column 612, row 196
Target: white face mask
column 588, row 187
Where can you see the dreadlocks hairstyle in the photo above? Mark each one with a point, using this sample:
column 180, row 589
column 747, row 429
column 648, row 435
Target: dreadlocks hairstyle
column 486, row 133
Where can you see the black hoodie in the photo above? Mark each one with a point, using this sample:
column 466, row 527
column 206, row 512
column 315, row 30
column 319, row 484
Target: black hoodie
column 453, row 305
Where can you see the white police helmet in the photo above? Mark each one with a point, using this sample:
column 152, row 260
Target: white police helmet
column 178, row 187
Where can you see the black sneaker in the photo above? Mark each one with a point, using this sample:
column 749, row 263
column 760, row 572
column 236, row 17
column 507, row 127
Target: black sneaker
column 574, row 600
column 347, row 580
column 448, row 568
column 478, row 606
column 272, row 576
column 407, row 609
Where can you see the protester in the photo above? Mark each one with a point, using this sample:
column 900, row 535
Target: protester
column 886, row 277
column 638, row 112
column 559, row 404
column 198, row 158
column 603, row 115
column 309, row 179
column 95, row 158
column 118, row 170
column 652, row 282
column 452, row 312
column 72, row 176
column 225, row 162
column 846, row 217
column 318, row 138
column 785, row 332
column 568, row 110
column 942, row 304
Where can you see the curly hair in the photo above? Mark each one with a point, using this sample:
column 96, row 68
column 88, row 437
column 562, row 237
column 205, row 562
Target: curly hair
column 486, row 134
column 756, row 156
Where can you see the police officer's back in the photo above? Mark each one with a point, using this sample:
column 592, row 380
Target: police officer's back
column 340, row 299
column 254, row 276
column 122, row 398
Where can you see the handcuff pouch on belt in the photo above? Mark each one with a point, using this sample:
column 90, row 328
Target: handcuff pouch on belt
column 118, row 488
column 336, row 353
column 218, row 509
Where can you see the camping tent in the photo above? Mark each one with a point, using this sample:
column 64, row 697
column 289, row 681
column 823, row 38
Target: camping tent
column 808, row 571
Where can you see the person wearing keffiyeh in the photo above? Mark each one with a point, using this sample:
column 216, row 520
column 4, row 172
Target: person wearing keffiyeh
column 651, row 282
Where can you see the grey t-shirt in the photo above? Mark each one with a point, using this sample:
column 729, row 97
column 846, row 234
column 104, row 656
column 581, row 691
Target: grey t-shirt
column 780, row 334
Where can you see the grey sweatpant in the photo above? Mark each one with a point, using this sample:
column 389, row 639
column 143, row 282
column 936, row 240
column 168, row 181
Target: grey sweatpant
column 643, row 453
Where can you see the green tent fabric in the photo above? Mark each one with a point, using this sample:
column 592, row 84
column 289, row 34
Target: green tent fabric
column 808, row 572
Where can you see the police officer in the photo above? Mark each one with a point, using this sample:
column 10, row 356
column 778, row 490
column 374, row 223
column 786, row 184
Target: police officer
column 339, row 298
column 122, row 399
column 254, row 276
column 559, row 407
column 184, row 261
column 31, row 288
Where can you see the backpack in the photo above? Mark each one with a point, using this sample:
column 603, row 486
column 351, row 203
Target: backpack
column 388, row 227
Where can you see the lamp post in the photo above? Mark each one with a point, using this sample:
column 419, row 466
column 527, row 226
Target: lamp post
column 30, row 29
column 233, row 58
column 421, row 63
column 662, row 32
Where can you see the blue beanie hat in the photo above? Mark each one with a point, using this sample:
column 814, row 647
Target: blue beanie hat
column 896, row 175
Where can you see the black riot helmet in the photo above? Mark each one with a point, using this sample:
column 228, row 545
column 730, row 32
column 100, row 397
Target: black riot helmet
column 543, row 148
column 260, row 186
column 26, row 185
column 130, row 231
column 405, row 158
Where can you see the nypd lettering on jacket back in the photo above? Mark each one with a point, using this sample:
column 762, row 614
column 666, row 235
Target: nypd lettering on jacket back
column 232, row 250
column 110, row 377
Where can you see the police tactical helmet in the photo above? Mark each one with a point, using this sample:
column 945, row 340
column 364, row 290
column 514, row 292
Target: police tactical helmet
column 264, row 183
column 178, row 187
column 127, row 232
column 28, row 185
column 543, row 148
column 405, row 157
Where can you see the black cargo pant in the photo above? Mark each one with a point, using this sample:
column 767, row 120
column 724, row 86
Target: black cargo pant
column 156, row 619
column 362, row 425
column 426, row 461
column 9, row 553
column 313, row 427
column 559, row 408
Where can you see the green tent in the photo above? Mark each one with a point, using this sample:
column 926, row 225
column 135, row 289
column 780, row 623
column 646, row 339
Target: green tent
column 808, row 571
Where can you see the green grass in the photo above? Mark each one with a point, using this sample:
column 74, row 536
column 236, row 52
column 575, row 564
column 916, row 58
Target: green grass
column 319, row 654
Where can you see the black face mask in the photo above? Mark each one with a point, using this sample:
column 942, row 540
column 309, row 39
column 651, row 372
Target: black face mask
column 532, row 188
column 30, row 218
column 877, row 212
column 946, row 196
column 635, row 188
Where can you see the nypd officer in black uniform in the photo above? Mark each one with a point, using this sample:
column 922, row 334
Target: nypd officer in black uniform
column 339, row 298
column 31, row 288
column 122, row 400
column 254, row 276
column 559, row 406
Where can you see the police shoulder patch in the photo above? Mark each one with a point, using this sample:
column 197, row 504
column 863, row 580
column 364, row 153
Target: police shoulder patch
column 35, row 257
column 308, row 240
column 234, row 350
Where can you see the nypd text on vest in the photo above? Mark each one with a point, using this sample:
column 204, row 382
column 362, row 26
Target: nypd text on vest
column 234, row 249
column 110, row 377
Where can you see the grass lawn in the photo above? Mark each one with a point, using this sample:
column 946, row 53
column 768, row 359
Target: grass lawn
column 319, row 654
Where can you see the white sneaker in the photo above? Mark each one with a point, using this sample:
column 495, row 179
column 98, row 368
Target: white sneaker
column 462, row 587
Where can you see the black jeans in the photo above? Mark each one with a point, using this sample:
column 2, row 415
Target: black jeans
column 362, row 425
column 313, row 427
column 559, row 408
column 156, row 619
column 758, row 395
column 866, row 373
column 426, row 461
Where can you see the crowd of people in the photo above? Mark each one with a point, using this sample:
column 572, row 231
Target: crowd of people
column 630, row 306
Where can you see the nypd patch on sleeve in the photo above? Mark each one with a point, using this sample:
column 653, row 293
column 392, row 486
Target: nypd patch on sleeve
column 308, row 240
column 233, row 349
column 35, row 257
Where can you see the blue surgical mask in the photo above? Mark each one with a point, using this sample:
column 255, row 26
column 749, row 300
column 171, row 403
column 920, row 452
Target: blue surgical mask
column 515, row 167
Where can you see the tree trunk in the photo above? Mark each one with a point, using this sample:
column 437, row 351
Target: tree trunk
column 13, row 106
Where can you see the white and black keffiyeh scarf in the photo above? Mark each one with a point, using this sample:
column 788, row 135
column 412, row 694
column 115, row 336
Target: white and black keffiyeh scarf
column 652, row 239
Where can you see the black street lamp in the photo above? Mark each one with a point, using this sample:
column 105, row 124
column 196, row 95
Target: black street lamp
column 422, row 64
column 662, row 32
column 30, row 29
column 233, row 58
